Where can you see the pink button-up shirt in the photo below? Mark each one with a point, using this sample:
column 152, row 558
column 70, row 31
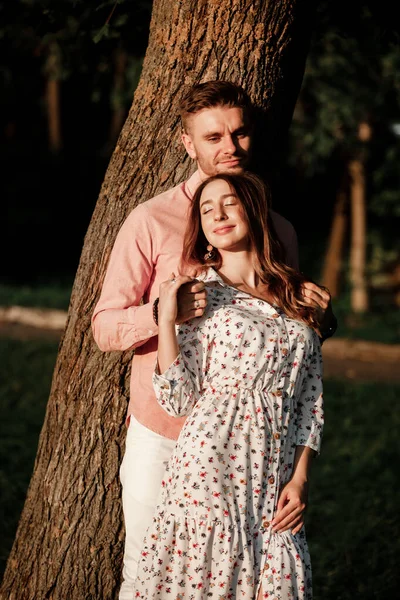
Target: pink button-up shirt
column 146, row 251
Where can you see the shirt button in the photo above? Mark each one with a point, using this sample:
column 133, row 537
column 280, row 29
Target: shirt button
column 265, row 524
column 271, row 480
column 277, row 436
column 266, row 566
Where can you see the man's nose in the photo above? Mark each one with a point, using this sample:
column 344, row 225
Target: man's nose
column 229, row 146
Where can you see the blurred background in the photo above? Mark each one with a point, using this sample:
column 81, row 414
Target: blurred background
column 68, row 71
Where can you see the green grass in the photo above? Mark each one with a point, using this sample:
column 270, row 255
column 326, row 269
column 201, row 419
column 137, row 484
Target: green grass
column 52, row 295
column 353, row 527
column 353, row 524
column 25, row 380
column 380, row 324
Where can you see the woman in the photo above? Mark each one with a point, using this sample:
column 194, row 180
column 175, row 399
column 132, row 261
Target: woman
column 229, row 522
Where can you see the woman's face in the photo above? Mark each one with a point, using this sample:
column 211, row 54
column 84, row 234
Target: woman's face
column 222, row 217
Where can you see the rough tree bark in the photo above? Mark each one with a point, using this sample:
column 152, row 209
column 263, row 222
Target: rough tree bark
column 69, row 540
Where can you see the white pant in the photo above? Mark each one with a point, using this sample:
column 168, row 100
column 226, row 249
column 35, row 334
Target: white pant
column 141, row 472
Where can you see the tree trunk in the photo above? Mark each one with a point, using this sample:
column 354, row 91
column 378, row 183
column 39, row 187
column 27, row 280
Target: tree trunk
column 69, row 541
column 53, row 99
column 359, row 293
column 333, row 258
column 118, row 108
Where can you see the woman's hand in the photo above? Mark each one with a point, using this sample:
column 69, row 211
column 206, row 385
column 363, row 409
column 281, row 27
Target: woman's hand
column 168, row 303
column 192, row 300
column 168, row 348
column 292, row 504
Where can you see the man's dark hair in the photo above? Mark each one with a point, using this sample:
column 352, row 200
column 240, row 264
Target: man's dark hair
column 211, row 94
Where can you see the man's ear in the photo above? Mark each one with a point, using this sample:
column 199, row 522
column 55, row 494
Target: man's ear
column 187, row 142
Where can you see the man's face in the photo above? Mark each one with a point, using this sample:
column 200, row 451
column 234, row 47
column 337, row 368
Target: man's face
column 219, row 140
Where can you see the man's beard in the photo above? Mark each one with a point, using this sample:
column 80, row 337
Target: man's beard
column 219, row 167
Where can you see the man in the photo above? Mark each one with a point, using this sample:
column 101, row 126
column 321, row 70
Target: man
column 217, row 134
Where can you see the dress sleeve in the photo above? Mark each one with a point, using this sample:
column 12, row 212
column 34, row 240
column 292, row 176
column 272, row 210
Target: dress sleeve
column 179, row 388
column 310, row 409
column 120, row 320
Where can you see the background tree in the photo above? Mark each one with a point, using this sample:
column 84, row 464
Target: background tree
column 69, row 539
column 352, row 83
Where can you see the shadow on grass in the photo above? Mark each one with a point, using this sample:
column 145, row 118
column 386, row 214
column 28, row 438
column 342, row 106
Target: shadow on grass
column 353, row 527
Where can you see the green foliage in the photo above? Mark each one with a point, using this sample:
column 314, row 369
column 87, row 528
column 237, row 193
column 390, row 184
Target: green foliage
column 348, row 79
column 385, row 193
column 352, row 76
column 69, row 37
column 103, row 32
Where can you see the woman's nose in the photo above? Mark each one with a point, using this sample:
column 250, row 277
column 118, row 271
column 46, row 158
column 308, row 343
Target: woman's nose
column 219, row 215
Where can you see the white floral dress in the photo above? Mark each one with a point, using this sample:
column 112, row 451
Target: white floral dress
column 250, row 380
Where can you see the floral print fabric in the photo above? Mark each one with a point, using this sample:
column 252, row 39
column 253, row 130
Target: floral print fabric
column 250, row 381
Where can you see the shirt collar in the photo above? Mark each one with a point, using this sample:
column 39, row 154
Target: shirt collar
column 211, row 276
column 190, row 186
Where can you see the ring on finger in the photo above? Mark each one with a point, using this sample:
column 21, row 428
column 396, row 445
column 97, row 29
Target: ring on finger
column 196, row 304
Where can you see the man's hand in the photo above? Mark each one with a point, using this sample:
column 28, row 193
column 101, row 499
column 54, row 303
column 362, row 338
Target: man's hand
column 192, row 300
column 319, row 298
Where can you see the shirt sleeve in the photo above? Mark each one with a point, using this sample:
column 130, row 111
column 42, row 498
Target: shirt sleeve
column 121, row 321
column 310, row 410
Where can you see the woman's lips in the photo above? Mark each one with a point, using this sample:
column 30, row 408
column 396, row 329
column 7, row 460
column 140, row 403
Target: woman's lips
column 222, row 230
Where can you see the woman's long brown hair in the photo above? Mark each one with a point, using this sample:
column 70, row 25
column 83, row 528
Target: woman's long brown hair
column 284, row 283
